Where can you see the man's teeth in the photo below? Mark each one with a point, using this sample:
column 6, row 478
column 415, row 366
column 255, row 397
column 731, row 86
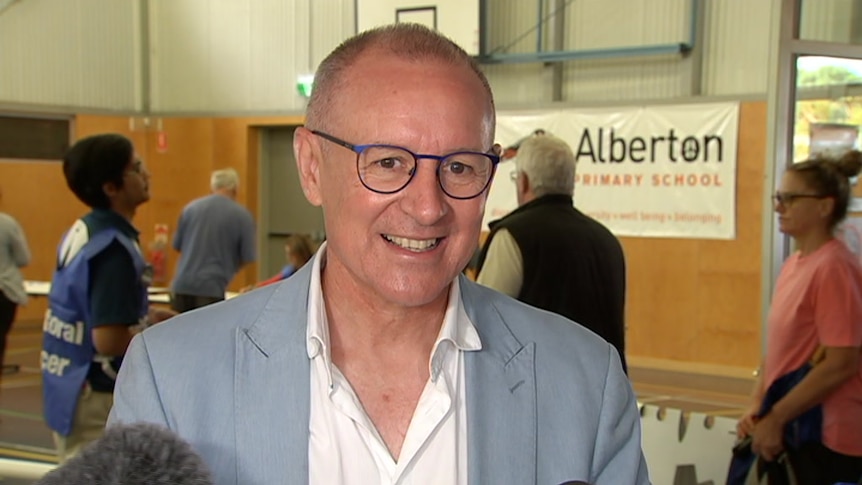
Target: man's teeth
column 412, row 244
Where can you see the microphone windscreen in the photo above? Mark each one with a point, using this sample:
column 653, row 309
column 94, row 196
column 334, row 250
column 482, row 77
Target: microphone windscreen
column 133, row 454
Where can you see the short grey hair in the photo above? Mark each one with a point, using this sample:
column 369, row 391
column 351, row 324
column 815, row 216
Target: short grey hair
column 409, row 41
column 226, row 178
column 548, row 163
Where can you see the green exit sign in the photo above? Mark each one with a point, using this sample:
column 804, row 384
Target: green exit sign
column 304, row 84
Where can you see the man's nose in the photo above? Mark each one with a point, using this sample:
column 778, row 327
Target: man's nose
column 423, row 198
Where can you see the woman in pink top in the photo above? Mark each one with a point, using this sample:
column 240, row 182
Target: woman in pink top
column 817, row 302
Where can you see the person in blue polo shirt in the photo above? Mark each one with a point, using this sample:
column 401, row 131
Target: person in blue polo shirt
column 98, row 297
column 215, row 238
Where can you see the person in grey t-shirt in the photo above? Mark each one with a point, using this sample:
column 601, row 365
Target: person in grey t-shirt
column 14, row 255
column 215, row 238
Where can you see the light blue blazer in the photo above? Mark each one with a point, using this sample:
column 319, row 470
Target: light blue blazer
column 547, row 400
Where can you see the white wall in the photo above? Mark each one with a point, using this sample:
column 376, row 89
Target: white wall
column 731, row 59
column 598, row 24
column 737, row 41
column 828, row 20
column 75, row 53
column 243, row 56
column 239, row 55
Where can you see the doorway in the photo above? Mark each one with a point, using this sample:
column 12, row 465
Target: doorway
column 284, row 209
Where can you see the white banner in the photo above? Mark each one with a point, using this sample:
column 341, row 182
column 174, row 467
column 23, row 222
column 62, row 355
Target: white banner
column 658, row 171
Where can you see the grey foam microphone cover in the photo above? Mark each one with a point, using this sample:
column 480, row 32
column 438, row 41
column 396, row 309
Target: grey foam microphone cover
column 133, row 454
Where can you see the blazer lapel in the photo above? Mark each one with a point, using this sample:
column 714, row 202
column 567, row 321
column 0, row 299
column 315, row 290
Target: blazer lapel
column 501, row 400
column 272, row 389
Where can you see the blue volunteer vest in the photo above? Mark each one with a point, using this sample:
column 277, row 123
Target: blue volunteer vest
column 67, row 346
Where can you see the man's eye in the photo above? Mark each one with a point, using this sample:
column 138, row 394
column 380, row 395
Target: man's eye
column 463, row 168
column 388, row 163
column 458, row 168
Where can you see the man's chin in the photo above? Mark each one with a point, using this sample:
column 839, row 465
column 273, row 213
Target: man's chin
column 416, row 293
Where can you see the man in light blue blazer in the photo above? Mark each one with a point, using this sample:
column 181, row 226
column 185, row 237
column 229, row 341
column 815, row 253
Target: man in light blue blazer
column 378, row 362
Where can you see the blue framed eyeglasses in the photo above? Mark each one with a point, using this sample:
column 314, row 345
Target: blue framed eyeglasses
column 387, row 169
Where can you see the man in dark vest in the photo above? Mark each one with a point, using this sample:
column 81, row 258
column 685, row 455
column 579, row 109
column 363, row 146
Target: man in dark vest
column 549, row 254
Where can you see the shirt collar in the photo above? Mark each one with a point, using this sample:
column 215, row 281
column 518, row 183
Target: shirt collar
column 110, row 218
column 457, row 329
column 317, row 332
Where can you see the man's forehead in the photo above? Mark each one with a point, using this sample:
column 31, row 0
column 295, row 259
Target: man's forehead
column 384, row 78
column 375, row 66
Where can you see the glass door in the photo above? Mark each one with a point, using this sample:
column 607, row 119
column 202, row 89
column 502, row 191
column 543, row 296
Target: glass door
column 828, row 122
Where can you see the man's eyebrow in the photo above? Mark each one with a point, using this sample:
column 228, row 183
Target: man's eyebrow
column 442, row 152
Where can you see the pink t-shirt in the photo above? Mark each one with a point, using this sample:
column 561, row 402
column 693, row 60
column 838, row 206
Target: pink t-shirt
column 818, row 299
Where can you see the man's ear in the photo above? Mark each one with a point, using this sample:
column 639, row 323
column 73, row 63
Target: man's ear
column 110, row 189
column 523, row 183
column 307, row 152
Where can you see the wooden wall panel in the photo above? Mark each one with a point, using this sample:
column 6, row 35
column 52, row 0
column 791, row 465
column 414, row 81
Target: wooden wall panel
column 660, row 307
column 181, row 169
column 35, row 193
column 699, row 300
column 180, row 172
column 689, row 301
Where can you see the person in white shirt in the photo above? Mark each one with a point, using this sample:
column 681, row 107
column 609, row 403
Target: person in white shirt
column 377, row 362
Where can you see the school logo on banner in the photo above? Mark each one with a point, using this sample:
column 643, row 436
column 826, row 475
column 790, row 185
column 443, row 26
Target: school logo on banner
column 662, row 171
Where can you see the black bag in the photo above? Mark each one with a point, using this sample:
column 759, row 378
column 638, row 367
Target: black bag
column 746, row 468
column 806, row 428
column 778, row 472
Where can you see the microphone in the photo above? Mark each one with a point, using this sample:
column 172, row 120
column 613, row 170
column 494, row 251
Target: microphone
column 133, row 454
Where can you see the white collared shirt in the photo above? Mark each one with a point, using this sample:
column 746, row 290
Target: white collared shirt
column 345, row 447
